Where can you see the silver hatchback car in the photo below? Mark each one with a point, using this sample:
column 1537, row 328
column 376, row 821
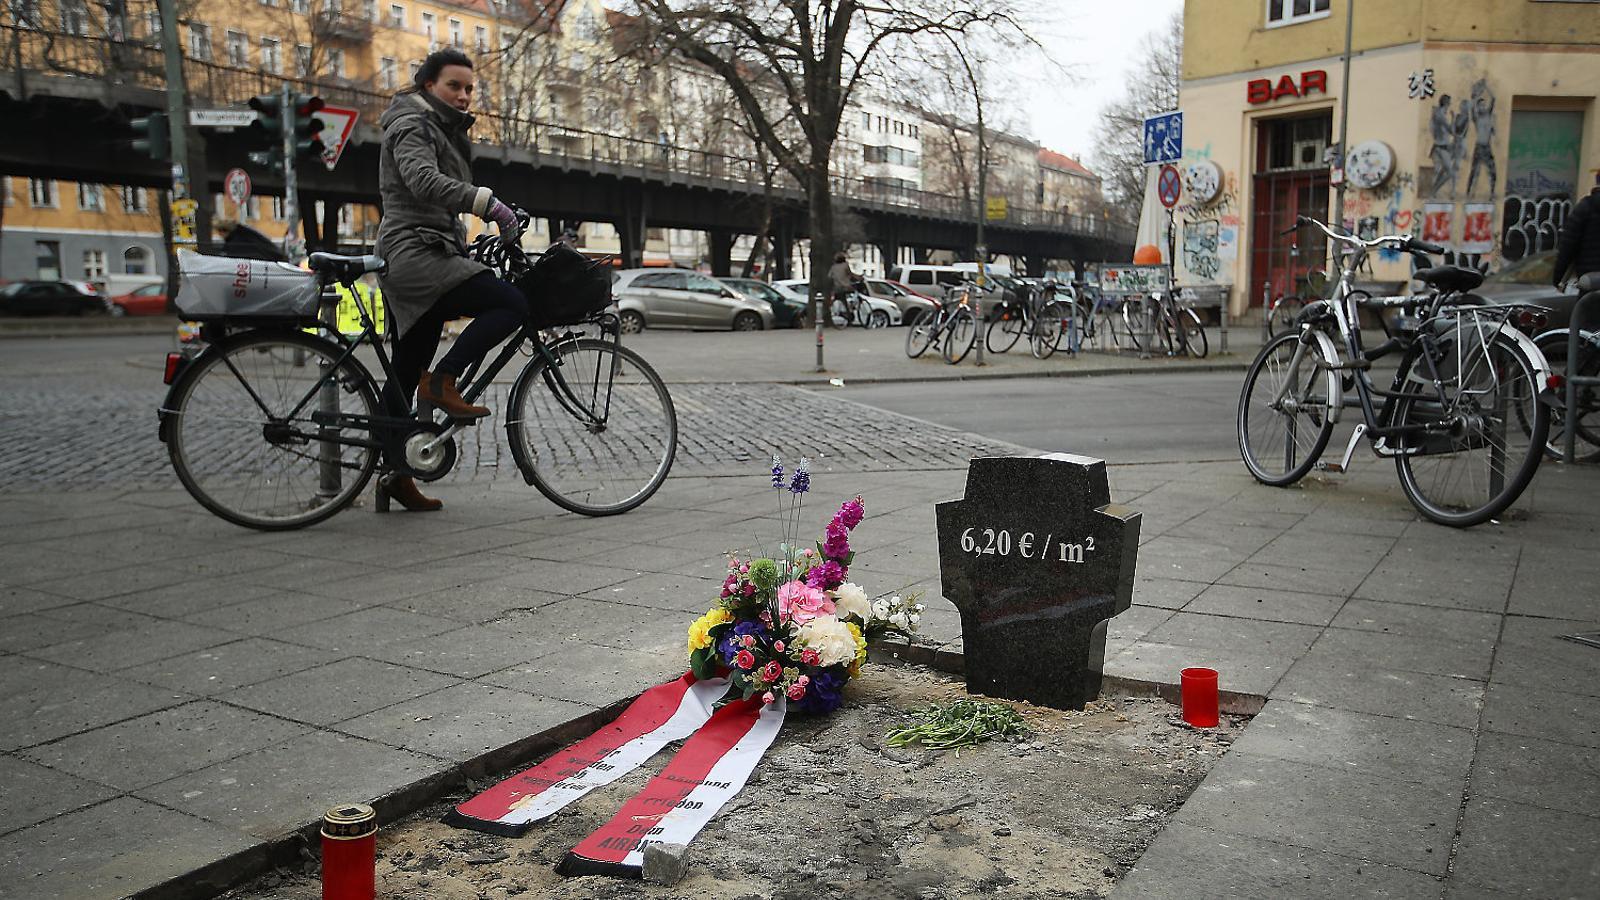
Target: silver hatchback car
column 678, row 298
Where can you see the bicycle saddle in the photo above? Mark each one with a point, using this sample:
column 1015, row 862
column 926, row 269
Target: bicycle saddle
column 346, row 268
column 1449, row 278
column 1590, row 281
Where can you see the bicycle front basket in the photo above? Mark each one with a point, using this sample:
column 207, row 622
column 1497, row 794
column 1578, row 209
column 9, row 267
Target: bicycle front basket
column 564, row 287
column 217, row 287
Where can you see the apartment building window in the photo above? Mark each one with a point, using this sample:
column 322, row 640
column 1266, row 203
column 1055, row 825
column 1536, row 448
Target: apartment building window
column 136, row 261
column 397, row 16
column 507, row 38
column 152, row 25
column 270, row 60
column 347, row 220
column 386, row 72
column 134, row 200
column 336, row 62
column 269, row 2
column 1289, row 12
column 278, row 210
column 42, row 193
column 47, row 258
column 866, row 121
column 91, row 198
column 332, row 8
column 370, row 10
column 411, row 71
column 428, row 28
column 94, row 264
column 914, row 133
column 480, row 38
column 74, row 17
column 302, row 60
column 303, row 7
column 238, row 49
column 25, row 13
column 5, row 191
column 455, row 33
column 200, row 41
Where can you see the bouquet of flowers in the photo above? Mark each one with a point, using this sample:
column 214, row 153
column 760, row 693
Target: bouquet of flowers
column 791, row 624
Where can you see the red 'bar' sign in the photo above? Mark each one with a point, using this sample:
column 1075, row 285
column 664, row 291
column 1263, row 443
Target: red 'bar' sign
column 1262, row 90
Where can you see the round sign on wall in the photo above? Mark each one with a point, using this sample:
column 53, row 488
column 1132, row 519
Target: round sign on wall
column 1369, row 164
column 1168, row 186
column 1202, row 181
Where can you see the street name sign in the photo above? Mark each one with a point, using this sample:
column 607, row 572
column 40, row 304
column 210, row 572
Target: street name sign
column 221, row 118
column 1036, row 558
column 1163, row 138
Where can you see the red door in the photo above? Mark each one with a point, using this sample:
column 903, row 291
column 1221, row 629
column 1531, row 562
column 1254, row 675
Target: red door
column 1283, row 260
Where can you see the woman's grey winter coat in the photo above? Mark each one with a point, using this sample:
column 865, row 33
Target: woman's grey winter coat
column 425, row 177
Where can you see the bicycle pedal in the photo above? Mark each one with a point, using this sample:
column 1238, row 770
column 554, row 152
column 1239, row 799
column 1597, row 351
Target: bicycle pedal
column 1333, row 467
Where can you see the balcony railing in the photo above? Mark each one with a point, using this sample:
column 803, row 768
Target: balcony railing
column 112, row 63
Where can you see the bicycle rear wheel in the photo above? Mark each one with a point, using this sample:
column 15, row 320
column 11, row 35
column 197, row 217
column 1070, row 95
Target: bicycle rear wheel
column 1476, row 459
column 1280, row 318
column 1553, row 345
column 597, row 432
column 1283, row 423
column 240, row 447
column 919, row 334
column 1047, row 330
column 1194, row 334
column 960, row 336
column 1002, row 333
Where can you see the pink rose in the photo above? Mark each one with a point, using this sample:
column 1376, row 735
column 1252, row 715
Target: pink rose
column 767, row 698
column 778, row 646
column 749, row 589
column 810, row 657
column 798, row 602
column 803, row 680
column 796, row 691
column 748, row 640
column 745, row 660
column 772, row 671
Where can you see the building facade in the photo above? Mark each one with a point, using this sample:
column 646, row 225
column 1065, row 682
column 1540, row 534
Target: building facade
column 1472, row 124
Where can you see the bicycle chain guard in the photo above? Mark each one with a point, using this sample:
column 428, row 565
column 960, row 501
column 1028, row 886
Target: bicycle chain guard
column 427, row 464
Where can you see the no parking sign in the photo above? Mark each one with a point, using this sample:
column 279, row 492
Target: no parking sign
column 1169, row 186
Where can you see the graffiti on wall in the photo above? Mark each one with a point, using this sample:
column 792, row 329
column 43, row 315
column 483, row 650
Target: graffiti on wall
column 1201, row 253
column 1532, row 224
column 1448, row 126
column 1420, row 85
column 1543, row 155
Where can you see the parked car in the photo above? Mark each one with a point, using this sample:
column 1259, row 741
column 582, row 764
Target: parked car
column 913, row 305
column 678, row 298
column 1528, row 281
column 48, row 298
column 146, row 300
column 942, row 282
column 788, row 310
column 891, row 312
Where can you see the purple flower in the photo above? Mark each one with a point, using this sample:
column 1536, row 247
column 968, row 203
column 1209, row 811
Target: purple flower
column 826, row 576
column 850, row 513
column 777, row 472
column 801, row 482
column 825, row 693
column 837, row 546
column 732, row 639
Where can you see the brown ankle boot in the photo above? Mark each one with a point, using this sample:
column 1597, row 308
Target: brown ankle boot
column 439, row 388
column 404, row 489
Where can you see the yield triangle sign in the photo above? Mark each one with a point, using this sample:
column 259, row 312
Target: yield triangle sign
column 338, row 123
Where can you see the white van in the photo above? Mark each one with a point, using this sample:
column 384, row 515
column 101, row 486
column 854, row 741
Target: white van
column 944, row 281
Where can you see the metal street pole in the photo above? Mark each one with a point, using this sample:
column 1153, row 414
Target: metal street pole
column 291, row 187
column 177, row 98
column 1344, row 118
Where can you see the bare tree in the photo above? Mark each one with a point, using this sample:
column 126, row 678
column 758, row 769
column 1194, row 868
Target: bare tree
column 816, row 54
column 1152, row 88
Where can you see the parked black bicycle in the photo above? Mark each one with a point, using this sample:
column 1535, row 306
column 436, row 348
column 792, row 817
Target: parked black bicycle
column 1034, row 313
column 272, row 427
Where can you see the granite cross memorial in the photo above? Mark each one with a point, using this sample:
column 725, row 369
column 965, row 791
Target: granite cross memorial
column 1037, row 559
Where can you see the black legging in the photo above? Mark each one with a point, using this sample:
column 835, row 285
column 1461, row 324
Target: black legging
column 497, row 309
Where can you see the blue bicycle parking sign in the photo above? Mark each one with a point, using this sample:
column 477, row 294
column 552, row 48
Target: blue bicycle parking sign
column 1163, row 138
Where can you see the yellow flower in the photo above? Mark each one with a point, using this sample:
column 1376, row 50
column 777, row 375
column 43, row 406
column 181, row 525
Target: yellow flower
column 861, row 648
column 700, row 631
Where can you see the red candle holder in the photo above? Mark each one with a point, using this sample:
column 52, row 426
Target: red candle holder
column 349, row 852
column 1199, row 693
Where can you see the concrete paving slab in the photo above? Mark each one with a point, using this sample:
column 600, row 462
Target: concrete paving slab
column 1434, row 756
column 135, row 646
column 35, row 631
column 154, row 747
column 1241, row 670
column 229, row 666
column 1289, row 575
column 1311, row 547
column 469, row 652
column 1420, row 621
column 1188, row 629
column 1532, row 654
column 18, row 600
column 682, row 593
column 282, row 787
column 272, row 613
column 338, row 691
column 1540, row 713
column 180, row 600
column 93, row 854
column 1266, row 605
column 1359, row 687
column 617, row 625
column 464, row 721
column 365, row 629
column 1353, row 814
column 58, row 708
column 34, row 793
column 482, row 603
column 1166, row 593
column 1528, row 851
column 620, row 672
column 1454, row 657
column 1536, row 772
column 1407, row 578
column 1189, row 863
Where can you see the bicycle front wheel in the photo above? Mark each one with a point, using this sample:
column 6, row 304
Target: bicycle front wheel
column 919, row 334
column 960, row 336
column 1280, row 319
column 1474, row 459
column 596, row 432
column 242, row 438
column 1283, row 423
column 1047, row 330
column 1002, row 333
column 1194, row 334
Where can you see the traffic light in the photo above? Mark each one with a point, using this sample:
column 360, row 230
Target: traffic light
column 268, row 127
column 153, row 138
column 307, row 126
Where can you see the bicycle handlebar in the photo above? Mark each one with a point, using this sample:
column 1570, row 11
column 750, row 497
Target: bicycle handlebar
column 1399, row 241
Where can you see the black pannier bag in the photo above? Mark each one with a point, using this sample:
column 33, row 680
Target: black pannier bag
column 564, row 287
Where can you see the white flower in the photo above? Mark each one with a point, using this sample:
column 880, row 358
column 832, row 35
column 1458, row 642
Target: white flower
column 883, row 607
column 830, row 638
column 851, row 600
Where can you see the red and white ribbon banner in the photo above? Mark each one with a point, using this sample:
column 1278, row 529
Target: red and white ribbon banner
column 663, row 714
column 711, row 768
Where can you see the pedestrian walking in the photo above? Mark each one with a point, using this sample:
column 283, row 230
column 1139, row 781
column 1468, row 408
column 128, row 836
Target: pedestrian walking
column 424, row 177
column 1578, row 247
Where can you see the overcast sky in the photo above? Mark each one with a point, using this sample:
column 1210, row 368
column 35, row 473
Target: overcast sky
column 1097, row 41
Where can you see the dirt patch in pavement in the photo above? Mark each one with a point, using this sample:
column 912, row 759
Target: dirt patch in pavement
column 832, row 812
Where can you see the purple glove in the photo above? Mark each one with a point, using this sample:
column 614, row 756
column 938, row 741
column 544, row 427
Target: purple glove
column 502, row 216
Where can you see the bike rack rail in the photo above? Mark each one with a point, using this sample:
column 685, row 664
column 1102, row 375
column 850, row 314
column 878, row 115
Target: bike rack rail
column 1588, row 303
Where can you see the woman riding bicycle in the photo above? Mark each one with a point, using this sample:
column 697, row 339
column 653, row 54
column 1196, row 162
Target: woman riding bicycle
column 845, row 284
column 424, row 176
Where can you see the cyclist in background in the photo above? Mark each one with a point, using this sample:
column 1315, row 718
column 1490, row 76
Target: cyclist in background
column 1578, row 248
column 845, row 283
